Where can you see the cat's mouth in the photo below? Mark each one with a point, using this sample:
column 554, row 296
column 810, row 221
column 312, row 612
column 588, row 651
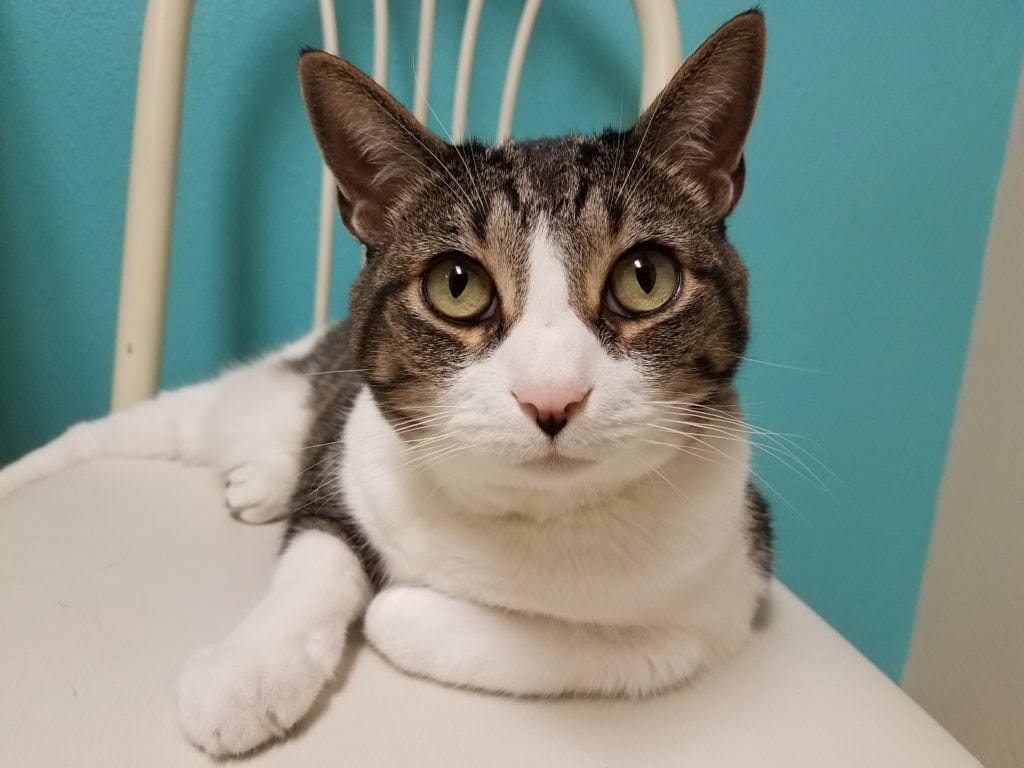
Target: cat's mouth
column 556, row 463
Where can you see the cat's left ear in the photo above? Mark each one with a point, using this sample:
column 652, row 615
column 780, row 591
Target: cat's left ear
column 698, row 124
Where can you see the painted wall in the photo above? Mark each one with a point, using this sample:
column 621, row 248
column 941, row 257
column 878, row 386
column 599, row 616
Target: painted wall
column 965, row 665
column 871, row 174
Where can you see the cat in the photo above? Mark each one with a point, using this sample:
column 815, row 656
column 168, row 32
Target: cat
column 521, row 463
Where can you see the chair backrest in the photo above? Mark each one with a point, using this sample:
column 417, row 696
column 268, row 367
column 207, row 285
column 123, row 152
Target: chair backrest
column 154, row 158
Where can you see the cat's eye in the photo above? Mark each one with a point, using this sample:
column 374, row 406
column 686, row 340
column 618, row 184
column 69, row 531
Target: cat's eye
column 642, row 281
column 460, row 289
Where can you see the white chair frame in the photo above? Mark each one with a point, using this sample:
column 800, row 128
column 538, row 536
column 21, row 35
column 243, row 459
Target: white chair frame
column 154, row 158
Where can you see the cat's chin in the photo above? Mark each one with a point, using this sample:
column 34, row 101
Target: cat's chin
column 500, row 479
column 556, row 464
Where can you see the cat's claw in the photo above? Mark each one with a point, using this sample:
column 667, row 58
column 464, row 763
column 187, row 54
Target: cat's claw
column 234, row 697
column 251, row 496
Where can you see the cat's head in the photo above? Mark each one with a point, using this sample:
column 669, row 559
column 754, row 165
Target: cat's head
column 533, row 312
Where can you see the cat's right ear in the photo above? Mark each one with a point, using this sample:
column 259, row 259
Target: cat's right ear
column 698, row 124
column 371, row 143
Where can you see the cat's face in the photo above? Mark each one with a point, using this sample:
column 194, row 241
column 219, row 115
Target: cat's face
column 516, row 288
column 533, row 309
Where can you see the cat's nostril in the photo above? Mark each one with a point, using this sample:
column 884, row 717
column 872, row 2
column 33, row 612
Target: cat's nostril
column 550, row 407
column 551, row 425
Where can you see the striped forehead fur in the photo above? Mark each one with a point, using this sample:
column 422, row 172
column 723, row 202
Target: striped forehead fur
column 594, row 198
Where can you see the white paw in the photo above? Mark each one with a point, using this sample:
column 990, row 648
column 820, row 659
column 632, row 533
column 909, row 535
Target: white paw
column 233, row 697
column 257, row 492
column 412, row 628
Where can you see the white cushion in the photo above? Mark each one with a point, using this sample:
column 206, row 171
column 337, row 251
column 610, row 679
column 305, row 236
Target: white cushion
column 113, row 572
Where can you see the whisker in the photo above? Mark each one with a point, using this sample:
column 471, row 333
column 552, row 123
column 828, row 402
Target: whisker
column 427, row 168
column 424, row 442
column 428, row 454
column 750, row 469
column 781, row 456
column 426, row 149
column 649, row 468
column 697, row 127
column 683, row 449
column 325, row 373
column 444, row 457
column 705, row 411
column 769, row 363
column 399, row 428
column 473, row 177
column 783, row 365
column 783, row 441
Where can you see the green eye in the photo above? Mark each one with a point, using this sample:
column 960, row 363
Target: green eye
column 642, row 282
column 459, row 289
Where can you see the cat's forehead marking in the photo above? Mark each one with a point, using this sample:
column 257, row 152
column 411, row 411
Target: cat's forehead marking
column 552, row 176
column 549, row 344
column 547, row 292
column 544, row 225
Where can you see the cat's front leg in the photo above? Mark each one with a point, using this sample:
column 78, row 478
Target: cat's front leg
column 262, row 679
column 257, row 427
column 431, row 635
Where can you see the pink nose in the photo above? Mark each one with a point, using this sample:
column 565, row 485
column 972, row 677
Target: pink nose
column 550, row 407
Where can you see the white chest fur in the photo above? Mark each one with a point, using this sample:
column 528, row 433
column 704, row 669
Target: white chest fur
column 641, row 554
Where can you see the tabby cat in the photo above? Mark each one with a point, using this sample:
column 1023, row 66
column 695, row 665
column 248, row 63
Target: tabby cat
column 521, row 462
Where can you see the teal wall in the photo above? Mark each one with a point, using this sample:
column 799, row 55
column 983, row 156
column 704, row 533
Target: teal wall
column 871, row 173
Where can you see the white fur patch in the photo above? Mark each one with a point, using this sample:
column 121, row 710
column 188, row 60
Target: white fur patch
column 264, row 677
column 249, row 424
column 461, row 643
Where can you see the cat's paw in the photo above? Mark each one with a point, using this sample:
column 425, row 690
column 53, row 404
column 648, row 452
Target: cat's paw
column 417, row 630
column 257, row 492
column 233, row 697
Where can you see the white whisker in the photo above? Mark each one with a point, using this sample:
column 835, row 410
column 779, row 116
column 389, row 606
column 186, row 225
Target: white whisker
column 802, row 470
column 325, row 373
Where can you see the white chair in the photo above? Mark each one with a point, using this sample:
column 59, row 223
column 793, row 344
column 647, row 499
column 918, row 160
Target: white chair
column 114, row 571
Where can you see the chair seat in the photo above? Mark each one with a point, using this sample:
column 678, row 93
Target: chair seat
column 111, row 573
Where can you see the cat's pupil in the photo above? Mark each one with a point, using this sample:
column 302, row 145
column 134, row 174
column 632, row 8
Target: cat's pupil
column 646, row 274
column 458, row 279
